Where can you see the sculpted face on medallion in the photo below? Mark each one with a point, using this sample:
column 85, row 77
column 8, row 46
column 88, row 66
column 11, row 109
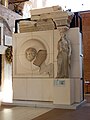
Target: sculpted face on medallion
column 30, row 53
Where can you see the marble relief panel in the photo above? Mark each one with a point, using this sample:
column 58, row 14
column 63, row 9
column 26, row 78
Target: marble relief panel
column 33, row 54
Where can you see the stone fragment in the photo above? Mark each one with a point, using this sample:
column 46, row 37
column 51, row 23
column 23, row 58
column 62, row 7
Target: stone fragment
column 45, row 10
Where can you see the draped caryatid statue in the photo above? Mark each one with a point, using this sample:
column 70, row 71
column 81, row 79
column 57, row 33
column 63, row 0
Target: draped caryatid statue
column 63, row 57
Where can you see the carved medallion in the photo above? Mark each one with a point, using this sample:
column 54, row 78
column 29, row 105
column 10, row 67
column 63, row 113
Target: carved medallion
column 30, row 53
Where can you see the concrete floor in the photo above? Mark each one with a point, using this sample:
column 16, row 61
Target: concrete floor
column 30, row 113
column 9, row 112
column 21, row 113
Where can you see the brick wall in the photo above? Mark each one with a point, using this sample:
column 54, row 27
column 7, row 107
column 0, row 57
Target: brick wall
column 86, row 45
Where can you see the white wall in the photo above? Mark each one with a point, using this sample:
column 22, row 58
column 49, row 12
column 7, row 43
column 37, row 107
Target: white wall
column 76, row 5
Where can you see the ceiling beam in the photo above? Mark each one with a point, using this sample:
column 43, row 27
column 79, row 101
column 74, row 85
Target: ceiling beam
column 16, row 1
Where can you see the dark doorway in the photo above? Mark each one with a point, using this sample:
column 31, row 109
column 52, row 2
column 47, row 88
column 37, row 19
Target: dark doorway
column 0, row 60
column 0, row 68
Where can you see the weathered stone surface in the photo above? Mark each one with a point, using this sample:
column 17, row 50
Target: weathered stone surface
column 56, row 14
column 40, row 25
column 46, row 19
column 45, row 10
column 61, row 22
column 9, row 16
